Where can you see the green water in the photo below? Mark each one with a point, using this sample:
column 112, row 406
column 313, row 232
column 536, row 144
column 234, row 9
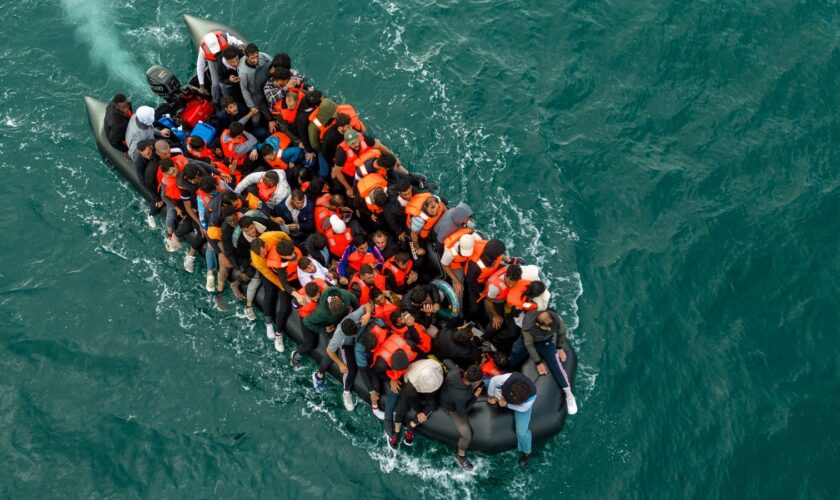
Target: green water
column 671, row 165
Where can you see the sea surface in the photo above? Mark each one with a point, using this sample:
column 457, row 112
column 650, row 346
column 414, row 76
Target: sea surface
column 671, row 165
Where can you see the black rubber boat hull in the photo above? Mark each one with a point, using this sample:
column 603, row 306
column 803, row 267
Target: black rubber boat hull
column 493, row 428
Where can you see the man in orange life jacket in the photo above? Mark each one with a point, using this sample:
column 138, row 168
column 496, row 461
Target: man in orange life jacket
column 264, row 190
column 209, row 57
column 371, row 195
column 231, row 112
column 358, row 254
column 422, row 213
column 482, row 264
column 457, row 249
column 187, row 185
column 394, row 211
column 422, row 382
column 366, row 279
column 389, row 363
column 268, row 257
column 354, row 152
column 501, row 330
column 398, row 272
column 236, row 143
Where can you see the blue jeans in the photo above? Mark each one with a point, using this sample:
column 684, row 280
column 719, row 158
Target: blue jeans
column 523, row 432
column 170, row 209
column 212, row 258
column 323, row 167
column 547, row 351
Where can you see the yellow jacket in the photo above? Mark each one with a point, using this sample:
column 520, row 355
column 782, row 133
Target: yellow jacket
column 270, row 238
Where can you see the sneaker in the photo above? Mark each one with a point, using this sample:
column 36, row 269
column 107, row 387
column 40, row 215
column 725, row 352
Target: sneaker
column 393, row 441
column 189, row 263
column 250, row 314
column 523, row 459
column 317, row 382
column 150, row 221
column 464, row 463
column 220, row 302
column 380, row 414
column 269, row 331
column 348, row 402
column 571, row 402
column 296, row 358
column 169, row 245
column 210, row 283
column 408, row 439
column 279, row 345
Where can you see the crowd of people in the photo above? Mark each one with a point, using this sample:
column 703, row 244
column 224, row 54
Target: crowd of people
column 297, row 198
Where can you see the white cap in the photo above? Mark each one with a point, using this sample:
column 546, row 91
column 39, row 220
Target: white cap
column 466, row 244
column 211, row 41
column 146, row 115
column 337, row 224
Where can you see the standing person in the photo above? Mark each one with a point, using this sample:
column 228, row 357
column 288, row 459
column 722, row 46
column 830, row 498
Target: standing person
column 344, row 340
column 458, row 247
column 543, row 335
column 422, row 213
column 334, row 304
column 518, row 393
column 485, row 260
column 265, row 259
column 248, row 66
column 422, row 381
column 117, row 115
column 143, row 162
column 390, row 361
column 457, row 396
column 501, row 330
column 394, row 211
column 209, row 57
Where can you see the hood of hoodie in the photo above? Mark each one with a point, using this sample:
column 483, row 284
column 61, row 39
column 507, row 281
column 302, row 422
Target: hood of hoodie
column 460, row 213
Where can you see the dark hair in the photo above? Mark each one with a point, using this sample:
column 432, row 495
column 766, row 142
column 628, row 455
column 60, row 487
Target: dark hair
column 358, row 239
column 387, row 160
column 375, row 293
column 228, row 197
column 399, row 361
column 282, row 73
column 312, row 289
column 514, row 272
column 272, row 176
column 349, row 327
column 319, row 241
column 166, row 165
column 337, row 307
column 196, row 142
column 342, row 120
column 236, row 129
column 257, row 245
column 313, row 97
column 403, row 184
column 379, row 197
column 417, row 295
column 520, row 392
column 285, row 247
column 494, row 248
column 473, row 374
column 230, row 52
column 119, row 99
column 267, row 149
column 282, row 60
column 245, row 221
column 368, row 340
column 251, row 49
column 227, row 100
column 366, row 269
column 535, row 289
column 145, row 144
column 207, row 184
column 402, row 257
column 462, row 336
column 395, row 317
column 315, row 187
column 191, row 171
column 297, row 194
column 304, row 261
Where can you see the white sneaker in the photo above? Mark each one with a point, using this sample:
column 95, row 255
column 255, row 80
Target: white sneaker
column 150, row 221
column 210, row 284
column 269, row 331
column 279, row 345
column 349, row 405
column 571, row 403
column 380, row 414
column 189, row 263
column 169, row 245
column 250, row 314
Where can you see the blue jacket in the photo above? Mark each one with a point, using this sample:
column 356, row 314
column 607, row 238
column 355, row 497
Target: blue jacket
column 306, row 217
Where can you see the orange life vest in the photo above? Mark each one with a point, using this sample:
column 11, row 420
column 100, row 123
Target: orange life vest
column 266, row 191
column 497, row 280
column 288, row 114
column 364, row 288
column 169, row 181
column 415, row 208
column 400, row 275
column 277, row 261
column 515, row 296
column 223, row 44
column 278, row 162
column 357, row 260
column 384, row 311
column 306, row 309
column 323, row 212
column 366, row 186
column 380, row 333
column 486, row 271
column 337, row 243
column 425, row 339
column 229, row 147
column 449, row 243
column 386, row 351
column 357, row 158
column 488, row 366
column 205, row 154
column 322, row 128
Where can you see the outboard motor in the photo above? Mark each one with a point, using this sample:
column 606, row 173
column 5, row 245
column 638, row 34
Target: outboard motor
column 164, row 84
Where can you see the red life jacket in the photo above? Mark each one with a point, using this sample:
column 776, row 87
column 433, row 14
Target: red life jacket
column 497, row 280
column 415, row 208
column 322, row 128
column 306, row 309
column 486, row 271
column 488, row 366
column 356, row 260
column 169, row 182
column 400, row 330
column 357, row 158
column 425, row 344
column 449, row 243
column 322, row 212
column 384, row 311
column 229, row 147
column 284, row 143
column 266, row 191
column 380, row 333
column 288, row 114
column 364, row 288
column 400, row 275
column 386, row 351
column 277, row 261
column 366, row 186
column 515, row 296
column 337, row 243
column 205, row 154
column 221, row 37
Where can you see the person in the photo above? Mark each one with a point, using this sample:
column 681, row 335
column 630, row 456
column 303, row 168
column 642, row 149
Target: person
column 422, row 213
column 353, row 152
column 452, row 220
column 366, row 345
column 335, row 303
column 363, row 281
column 371, row 195
column 543, row 335
column 344, row 340
column 248, row 66
column 266, row 259
column 501, row 330
column 423, row 302
column 143, row 162
column 458, row 344
column 321, row 119
column 338, row 234
column 214, row 202
column 398, row 272
column 236, row 143
column 384, row 243
column 460, row 389
column 310, row 269
column 394, row 211
column 297, row 212
column 458, row 247
column 316, row 246
column 251, row 228
column 187, row 185
column 516, row 392
column 209, row 58
column 358, row 254
column 140, row 127
column 117, row 115
column 389, row 363
column 229, row 72
column 486, row 258
column 231, row 112
column 422, row 380
column 264, row 191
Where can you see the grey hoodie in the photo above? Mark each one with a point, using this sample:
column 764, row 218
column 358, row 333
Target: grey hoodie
column 452, row 220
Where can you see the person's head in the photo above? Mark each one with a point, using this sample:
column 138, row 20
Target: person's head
column 168, row 167
column 268, row 153
column 313, row 98
column 396, row 318
column 229, row 104
column 545, row 321
column 337, row 201
column 431, row 206
column 418, row 296
column 121, row 103
column 337, row 307
column 286, row 248
column 352, row 138
column 270, row 178
column 360, row 243
column 349, row 327
column 191, row 173
column 207, row 183
column 259, row 247
column 463, row 335
column 534, row 290
column 494, row 249
column 282, row 77
column 513, row 274
column 500, row 359
column 252, row 55
column 162, row 149
column 368, row 340
column 342, row 122
column 473, row 375
column 519, row 392
column 377, row 297
column 298, row 200
column 399, row 361
column 366, row 274
column 196, row 143
column 312, row 290
column 402, row 259
column 319, row 241
column 246, row 223
column 380, row 239
column 379, row 196
column 316, row 186
column 236, row 129
column 231, row 55
column 292, row 99
column 386, row 161
column 282, row 60
column 230, row 203
column 145, row 148
column 405, row 189
column 305, row 264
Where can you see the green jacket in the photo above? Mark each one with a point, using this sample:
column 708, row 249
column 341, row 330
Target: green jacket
column 321, row 317
column 325, row 113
